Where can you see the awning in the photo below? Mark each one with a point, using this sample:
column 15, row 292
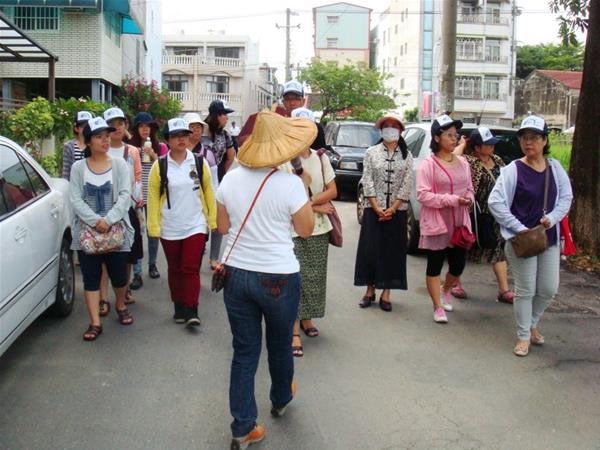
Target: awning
column 65, row 3
column 130, row 26
column 16, row 46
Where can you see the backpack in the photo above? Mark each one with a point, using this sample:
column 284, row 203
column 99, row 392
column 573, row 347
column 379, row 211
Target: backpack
column 163, row 166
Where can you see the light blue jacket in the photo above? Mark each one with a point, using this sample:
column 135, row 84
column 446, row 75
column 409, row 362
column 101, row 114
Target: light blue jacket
column 502, row 196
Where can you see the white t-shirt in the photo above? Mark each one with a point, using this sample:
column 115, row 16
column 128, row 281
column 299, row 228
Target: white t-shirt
column 265, row 244
column 185, row 218
column 319, row 179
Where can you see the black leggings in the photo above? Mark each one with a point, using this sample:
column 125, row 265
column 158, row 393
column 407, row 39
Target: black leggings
column 91, row 269
column 457, row 258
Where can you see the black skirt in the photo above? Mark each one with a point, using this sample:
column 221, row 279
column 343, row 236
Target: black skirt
column 381, row 254
column 137, row 248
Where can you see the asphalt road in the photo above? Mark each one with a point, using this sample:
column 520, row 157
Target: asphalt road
column 372, row 380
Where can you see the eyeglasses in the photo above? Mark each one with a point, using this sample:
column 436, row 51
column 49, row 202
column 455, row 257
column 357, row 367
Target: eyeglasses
column 451, row 135
column 530, row 137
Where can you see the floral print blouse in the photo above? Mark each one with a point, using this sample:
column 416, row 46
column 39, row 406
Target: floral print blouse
column 387, row 178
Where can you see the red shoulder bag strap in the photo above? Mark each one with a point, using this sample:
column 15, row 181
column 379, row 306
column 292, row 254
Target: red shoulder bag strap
column 451, row 183
column 262, row 185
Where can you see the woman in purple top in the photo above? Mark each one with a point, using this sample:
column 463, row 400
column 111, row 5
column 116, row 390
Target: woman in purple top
column 517, row 203
column 445, row 191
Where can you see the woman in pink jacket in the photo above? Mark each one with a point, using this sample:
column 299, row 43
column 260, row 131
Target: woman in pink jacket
column 445, row 191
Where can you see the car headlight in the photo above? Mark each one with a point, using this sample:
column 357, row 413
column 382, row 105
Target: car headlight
column 348, row 165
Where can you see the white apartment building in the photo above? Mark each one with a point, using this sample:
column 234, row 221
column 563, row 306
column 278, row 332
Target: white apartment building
column 199, row 69
column 97, row 44
column 409, row 48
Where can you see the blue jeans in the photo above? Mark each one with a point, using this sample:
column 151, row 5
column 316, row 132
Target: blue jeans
column 153, row 244
column 248, row 297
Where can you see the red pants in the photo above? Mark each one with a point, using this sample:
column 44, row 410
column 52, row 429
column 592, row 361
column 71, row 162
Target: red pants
column 183, row 260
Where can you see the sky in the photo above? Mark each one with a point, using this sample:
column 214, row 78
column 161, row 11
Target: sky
column 258, row 19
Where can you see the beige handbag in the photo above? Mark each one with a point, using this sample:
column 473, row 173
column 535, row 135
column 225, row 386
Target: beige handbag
column 535, row 240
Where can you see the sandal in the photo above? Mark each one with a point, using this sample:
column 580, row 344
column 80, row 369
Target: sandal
column 297, row 350
column 536, row 337
column 92, row 333
column 385, row 305
column 366, row 301
column 125, row 318
column 310, row 331
column 104, row 307
column 506, row 297
column 522, row 348
column 129, row 300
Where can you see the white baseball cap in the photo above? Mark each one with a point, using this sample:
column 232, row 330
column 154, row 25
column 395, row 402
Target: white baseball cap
column 94, row 126
column 293, row 87
column 176, row 125
column 303, row 113
column 113, row 113
column 83, row 116
column 533, row 123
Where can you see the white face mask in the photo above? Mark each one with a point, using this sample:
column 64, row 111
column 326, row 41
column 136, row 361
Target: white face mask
column 390, row 134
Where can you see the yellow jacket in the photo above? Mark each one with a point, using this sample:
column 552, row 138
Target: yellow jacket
column 156, row 201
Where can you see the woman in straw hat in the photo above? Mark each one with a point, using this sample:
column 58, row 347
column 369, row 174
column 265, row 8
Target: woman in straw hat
column 262, row 271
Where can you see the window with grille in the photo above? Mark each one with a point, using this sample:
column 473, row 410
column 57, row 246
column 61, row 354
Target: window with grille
column 333, row 42
column 491, row 88
column 217, row 84
column 492, row 50
column 469, row 49
column 36, row 18
column 227, row 52
column 468, row 87
column 493, row 13
column 332, row 19
column 175, row 83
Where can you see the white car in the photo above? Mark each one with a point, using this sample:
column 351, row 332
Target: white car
column 36, row 264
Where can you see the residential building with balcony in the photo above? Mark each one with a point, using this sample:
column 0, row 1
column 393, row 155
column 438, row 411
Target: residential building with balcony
column 485, row 57
column 199, row 69
column 97, row 43
column 342, row 33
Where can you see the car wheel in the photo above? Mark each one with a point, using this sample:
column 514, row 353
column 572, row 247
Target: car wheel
column 412, row 232
column 360, row 204
column 65, row 288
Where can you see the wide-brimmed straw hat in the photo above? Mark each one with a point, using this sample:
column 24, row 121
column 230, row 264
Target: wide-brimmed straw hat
column 275, row 140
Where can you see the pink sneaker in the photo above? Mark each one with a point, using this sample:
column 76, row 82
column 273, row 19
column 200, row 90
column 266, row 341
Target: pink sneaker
column 446, row 300
column 439, row 316
column 458, row 291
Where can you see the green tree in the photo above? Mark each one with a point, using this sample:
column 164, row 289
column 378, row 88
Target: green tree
column 411, row 115
column 355, row 91
column 136, row 95
column 550, row 57
column 579, row 15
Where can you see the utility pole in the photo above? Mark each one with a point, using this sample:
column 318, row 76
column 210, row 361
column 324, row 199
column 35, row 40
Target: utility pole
column 513, row 46
column 449, row 11
column 288, row 42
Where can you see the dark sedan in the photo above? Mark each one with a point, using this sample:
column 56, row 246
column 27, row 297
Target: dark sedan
column 347, row 142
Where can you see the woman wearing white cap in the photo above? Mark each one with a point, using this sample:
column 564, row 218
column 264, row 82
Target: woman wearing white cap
column 258, row 206
column 181, row 211
column 485, row 170
column 73, row 149
column 387, row 180
column 100, row 195
column 531, row 195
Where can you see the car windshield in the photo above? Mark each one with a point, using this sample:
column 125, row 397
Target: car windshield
column 357, row 136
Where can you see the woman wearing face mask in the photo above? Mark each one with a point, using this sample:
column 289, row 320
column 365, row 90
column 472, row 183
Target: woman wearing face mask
column 387, row 182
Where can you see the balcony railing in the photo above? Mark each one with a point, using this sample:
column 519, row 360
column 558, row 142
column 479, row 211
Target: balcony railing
column 479, row 96
column 478, row 57
column 193, row 60
column 476, row 16
column 205, row 97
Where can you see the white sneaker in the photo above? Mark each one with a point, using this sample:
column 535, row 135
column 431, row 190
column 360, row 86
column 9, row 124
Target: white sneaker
column 439, row 316
column 446, row 301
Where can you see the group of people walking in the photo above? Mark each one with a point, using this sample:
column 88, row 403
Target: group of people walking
column 472, row 206
column 275, row 209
